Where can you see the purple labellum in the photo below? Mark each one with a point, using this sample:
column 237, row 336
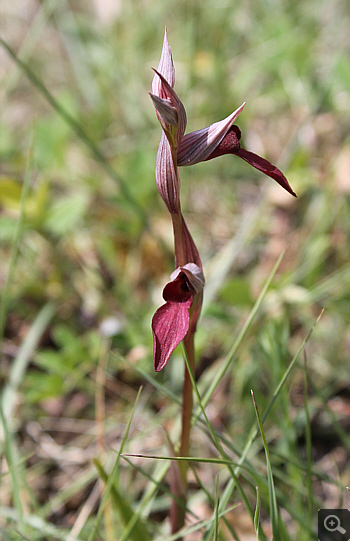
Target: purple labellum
column 170, row 323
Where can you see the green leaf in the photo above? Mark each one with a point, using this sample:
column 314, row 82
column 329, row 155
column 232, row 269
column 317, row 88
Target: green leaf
column 113, row 474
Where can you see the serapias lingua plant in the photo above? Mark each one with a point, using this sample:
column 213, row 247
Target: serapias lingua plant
column 176, row 320
column 171, row 324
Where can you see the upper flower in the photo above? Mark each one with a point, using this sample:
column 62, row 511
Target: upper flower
column 223, row 138
column 215, row 140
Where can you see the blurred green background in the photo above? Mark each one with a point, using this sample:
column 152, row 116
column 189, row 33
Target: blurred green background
column 86, row 241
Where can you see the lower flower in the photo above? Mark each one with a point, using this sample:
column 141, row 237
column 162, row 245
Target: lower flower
column 171, row 321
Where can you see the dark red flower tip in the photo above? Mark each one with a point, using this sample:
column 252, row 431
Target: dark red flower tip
column 266, row 167
column 231, row 145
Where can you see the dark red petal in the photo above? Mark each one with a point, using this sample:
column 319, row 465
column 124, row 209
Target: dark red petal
column 177, row 290
column 169, row 325
column 266, row 167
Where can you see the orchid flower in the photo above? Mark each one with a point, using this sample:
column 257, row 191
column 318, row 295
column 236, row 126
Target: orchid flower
column 220, row 139
column 183, row 294
column 171, row 321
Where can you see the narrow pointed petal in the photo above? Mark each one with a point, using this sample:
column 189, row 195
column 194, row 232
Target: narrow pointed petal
column 165, row 67
column 197, row 146
column 167, row 92
column 165, row 109
column 265, row 167
column 166, row 176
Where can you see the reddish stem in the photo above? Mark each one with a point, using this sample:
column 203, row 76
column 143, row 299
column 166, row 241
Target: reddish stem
column 177, row 512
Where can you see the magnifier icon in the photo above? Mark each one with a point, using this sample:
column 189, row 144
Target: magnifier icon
column 332, row 524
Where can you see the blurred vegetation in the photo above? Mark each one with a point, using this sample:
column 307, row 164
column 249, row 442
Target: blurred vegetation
column 86, row 247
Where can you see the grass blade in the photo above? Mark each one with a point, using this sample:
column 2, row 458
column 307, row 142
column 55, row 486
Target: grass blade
column 113, row 474
column 150, row 378
column 226, row 363
column 22, row 360
column 216, row 511
column 217, row 442
column 257, row 513
column 13, row 466
column 40, row 525
column 137, row 528
column 219, row 266
column 231, row 485
column 210, row 499
column 157, row 483
column 272, row 493
column 194, row 528
column 308, row 447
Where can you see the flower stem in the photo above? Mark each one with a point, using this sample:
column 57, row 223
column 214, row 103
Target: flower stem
column 187, row 397
column 180, row 250
column 177, row 512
